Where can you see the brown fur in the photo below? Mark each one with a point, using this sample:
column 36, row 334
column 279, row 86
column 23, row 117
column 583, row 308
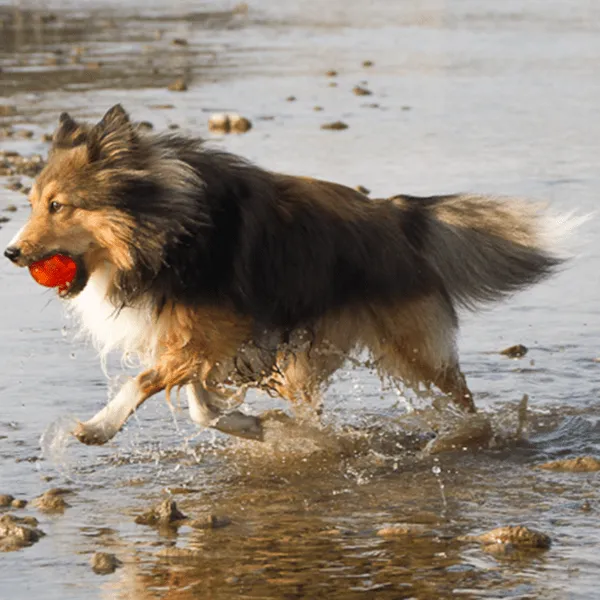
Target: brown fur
column 302, row 274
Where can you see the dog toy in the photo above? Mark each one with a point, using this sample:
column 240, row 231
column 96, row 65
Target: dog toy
column 56, row 271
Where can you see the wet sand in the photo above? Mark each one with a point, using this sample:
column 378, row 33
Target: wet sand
column 473, row 97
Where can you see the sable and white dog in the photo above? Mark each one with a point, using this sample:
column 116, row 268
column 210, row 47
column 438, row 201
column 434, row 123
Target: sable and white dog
column 220, row 275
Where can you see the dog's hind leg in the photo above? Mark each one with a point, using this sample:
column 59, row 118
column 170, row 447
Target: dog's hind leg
column 105, row 424
column 203, row 407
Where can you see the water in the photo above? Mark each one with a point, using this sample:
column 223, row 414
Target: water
column 474, row 96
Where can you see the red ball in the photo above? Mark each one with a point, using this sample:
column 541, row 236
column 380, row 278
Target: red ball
column 56, row 271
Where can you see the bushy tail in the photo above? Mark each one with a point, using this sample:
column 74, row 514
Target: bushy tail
column 485, row 248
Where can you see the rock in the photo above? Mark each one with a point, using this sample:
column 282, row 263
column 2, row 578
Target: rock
column 14, row 186
column 17, row 533
column 362, row 189
column 179, row 85
column 145, row 126
column 6, row 500
column 210, row 522
column 104, row 563
column 165, row 513
column 18, row 503
column 229, row 123
column 179, row 42
column 361, row 91
column 406, row 107
column 516, row 351
column 24, row 133
column 239, row 124
column 52, row 501
column 317, row 108
column 291, row 98
column 47, row 137
column 581, row 464
column 331, row 73
column 173, row 126
column 333, row 84
column 518, row 537
column 4, row 219
column 335, row 126
column 367, row 63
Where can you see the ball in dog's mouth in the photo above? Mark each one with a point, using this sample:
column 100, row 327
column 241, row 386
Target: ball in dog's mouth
column 57, row 271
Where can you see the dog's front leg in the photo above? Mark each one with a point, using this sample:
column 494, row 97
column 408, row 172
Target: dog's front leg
column 204, row 411
column 104, row 425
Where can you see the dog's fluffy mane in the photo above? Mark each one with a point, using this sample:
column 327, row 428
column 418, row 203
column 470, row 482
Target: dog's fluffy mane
column 197, row 225
column 204, row 226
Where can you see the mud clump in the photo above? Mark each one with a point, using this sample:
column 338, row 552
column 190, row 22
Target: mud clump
column 17, row 533
column 512, row 537
column 104, row 563
column 516, row 351
column 165, row 514
column 52, row 501
column 229, row 123
column 335, row 126
column 179, row 85
column 581, row 464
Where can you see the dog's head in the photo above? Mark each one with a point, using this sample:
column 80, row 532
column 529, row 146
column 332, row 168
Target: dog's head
column 98, row 199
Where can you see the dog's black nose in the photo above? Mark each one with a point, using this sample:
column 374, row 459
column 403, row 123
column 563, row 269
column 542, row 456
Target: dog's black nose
column 12, row 253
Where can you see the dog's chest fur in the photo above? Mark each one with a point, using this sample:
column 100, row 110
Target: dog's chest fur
column 129, row 330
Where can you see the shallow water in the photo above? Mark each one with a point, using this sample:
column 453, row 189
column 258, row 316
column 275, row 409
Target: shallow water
column 474, row 96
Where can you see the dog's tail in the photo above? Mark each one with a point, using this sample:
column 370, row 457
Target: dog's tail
column 485, row 248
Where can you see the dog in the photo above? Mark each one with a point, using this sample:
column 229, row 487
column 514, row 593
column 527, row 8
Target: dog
column 220, row 276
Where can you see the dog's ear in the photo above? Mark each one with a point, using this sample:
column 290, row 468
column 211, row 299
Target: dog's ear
column 69, row 133
column 113, row 138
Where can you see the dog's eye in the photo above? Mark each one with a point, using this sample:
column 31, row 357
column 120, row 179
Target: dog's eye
column 54, row 206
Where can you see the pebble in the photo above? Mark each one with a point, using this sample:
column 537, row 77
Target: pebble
column 516, row 351
column 6, row 500
column 367, row 63
column 17, row 533
column 361, row 91
column 335, row 126
column 331, row 73
column 229, row 123
column 52, row 501
column 104, row 563
column 179, row 42
column 7, row 110
column 18, row 503
column 291, row 98
column 580, row 464
column 317, row 108
column 516, row 536
column 179, row 85
column 363, row 190
column 166, row 513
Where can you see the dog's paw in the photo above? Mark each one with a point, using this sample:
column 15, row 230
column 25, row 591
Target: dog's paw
column 89, row 435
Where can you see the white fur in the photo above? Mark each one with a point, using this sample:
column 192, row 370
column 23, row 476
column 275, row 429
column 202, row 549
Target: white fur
column 16, row 237
column 130, row 330
column 556, row 233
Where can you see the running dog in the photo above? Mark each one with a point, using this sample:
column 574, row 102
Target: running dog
column 219, row 275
